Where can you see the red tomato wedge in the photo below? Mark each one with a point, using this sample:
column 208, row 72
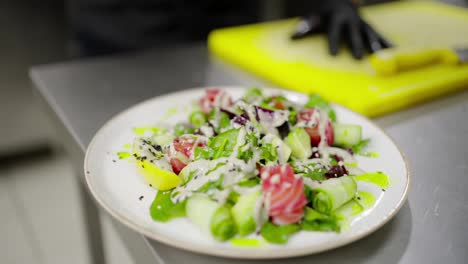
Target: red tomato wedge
column 214, row 97
column 181, row 149
column 284, row 194
column 307, row 115
column 177, row 165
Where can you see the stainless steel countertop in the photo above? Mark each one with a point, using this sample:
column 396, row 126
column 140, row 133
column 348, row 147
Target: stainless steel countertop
column 431, row 227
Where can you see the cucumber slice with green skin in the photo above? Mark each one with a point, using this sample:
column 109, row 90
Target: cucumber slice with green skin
column 299, row 142
column 346, row 135
column 211, row 217
column 243, row 213
column 333, row 193
column 163, row 139
column 223, row 226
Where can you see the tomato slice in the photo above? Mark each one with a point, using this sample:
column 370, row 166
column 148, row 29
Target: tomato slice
column 177, row 165
column 214, row 97
column 308, row 115
column 284, row 194
column 181, row 150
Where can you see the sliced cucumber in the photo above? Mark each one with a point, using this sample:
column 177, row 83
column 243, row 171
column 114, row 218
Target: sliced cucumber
column 211, row 217
column 163, row 139
column 244, row 211
column 333, row 193
column 282, row 149
column 346, row 135
column 223, row 226
column 299, row 142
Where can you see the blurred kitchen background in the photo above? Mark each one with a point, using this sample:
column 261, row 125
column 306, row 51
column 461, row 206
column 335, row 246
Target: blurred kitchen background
column 39, row 205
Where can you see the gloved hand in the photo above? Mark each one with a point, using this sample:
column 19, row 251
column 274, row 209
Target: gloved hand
column 340, row 20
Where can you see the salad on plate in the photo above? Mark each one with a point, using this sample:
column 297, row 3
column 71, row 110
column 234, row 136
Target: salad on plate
column 261, row 166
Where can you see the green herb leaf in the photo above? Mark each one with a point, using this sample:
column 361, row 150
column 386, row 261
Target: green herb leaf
column 316, row 175
column 218, row 184
column 219, row 119
column 163, row 209
column 308, row 193
column 252, row 94
column 224, row 143
column 316, row 100
column 359, row 147
column 203, row 153
column 246, row 155
column 250, row 182
column 292, row 117
column 278, row 234
column 268, row 152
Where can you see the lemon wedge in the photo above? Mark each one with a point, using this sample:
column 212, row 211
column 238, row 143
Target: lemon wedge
column 156, row 177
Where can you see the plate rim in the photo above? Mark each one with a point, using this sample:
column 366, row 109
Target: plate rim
column 247, row 253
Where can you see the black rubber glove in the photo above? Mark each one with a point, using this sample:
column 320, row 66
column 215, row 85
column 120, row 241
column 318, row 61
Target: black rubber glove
column 340, row 20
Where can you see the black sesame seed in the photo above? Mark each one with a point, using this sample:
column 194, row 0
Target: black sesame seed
column 143, row 166
column 113, row 160
column 383, row 190
column 359, row 198
column 150, row 185
column 87, row 172
column 140, row 198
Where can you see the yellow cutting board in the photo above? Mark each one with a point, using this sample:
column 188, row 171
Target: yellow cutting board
column 265, row 50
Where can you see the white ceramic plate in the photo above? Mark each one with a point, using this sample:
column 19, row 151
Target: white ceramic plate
column 117, row 187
